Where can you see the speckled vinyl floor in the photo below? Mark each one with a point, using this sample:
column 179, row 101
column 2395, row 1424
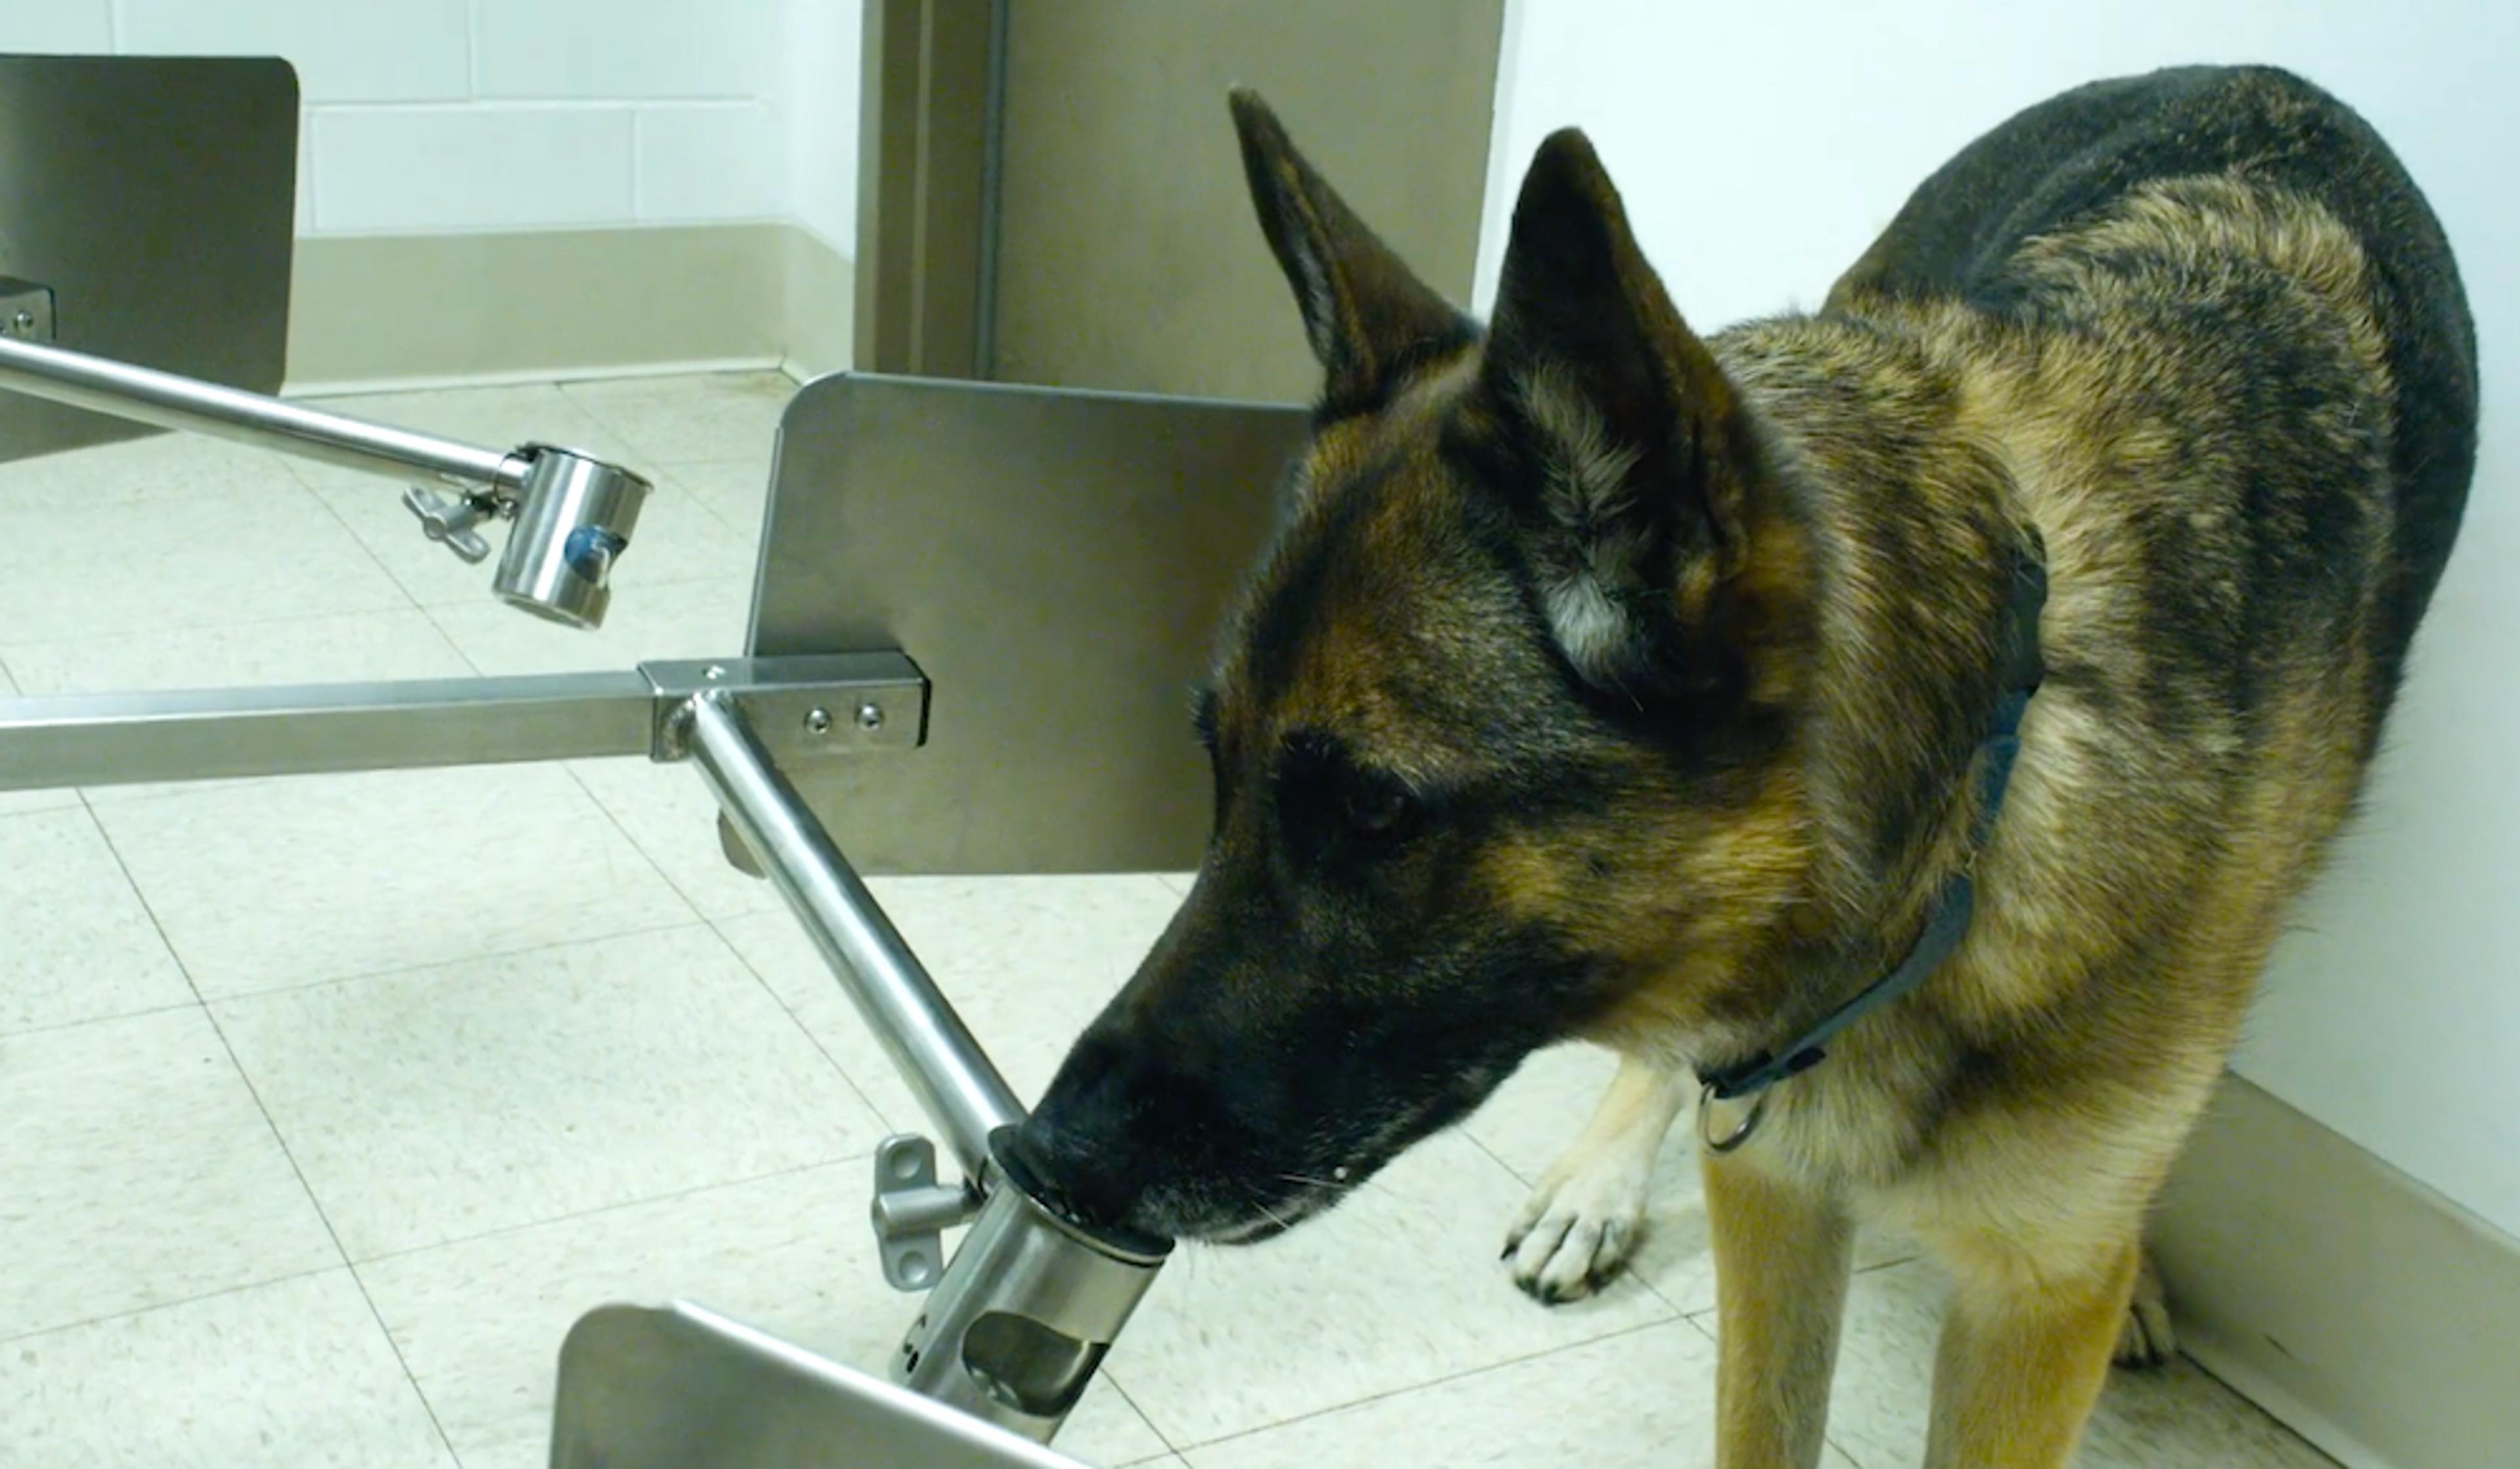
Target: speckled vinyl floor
column 326, row 1104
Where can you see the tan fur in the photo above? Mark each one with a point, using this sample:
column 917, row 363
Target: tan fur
column 2036, row 1205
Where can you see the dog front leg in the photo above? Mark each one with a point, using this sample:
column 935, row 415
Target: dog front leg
column 1783, row 1253
column 1589, row 1211
column 2025, row 1349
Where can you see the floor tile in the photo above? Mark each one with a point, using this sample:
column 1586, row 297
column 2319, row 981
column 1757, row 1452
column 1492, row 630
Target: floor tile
column 676, row 540
column 734, row 490
column 139, row 1171
column 443, row 1103
column 80, row 947
column 481, row 1321
column 296, row 881
column 2174, row 1418
column 678, row 620
column 162, row 468
column 1394, row 1288
column 213, row 558
column 14, row 802
column 1535, row 1116
column 351, row 647
column 723, row 416
column 1026, row 961
column 1645, row 1399
column 294, row 1374
column 1539, row 1110
column 668, row 811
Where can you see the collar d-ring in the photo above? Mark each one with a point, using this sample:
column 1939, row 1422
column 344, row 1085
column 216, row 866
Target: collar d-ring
column 1741, row 1131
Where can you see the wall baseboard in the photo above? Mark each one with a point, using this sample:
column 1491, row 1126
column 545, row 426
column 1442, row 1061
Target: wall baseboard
column 2375, row 1318
column 821, row 307
column 378, row 313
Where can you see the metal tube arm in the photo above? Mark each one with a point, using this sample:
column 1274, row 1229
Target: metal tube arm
column 149, row 396
column 573, row 514
column 954, row 1082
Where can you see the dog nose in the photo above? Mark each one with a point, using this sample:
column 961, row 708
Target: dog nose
column 1080, row 1175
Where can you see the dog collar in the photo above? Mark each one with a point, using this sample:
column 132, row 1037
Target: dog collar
column 1948, row 921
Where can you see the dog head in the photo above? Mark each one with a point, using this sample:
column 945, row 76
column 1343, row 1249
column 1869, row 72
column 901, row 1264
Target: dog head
column 1501, row 732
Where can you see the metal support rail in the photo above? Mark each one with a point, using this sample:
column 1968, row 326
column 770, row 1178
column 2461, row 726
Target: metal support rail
column 821, row 707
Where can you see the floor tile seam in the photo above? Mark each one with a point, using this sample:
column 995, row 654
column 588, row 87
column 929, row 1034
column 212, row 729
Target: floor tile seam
column 849, row 1079
column 1439, row 1380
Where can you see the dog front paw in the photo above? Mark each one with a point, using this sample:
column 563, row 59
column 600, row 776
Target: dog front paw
column 1576, row 1234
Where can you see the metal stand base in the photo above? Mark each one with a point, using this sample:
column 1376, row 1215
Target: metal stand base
column 1021, row 1317
column 1016, row 1323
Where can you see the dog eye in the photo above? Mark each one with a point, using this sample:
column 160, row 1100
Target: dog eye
column 1375, row 807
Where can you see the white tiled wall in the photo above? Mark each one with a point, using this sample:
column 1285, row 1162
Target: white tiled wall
column 403, row 168
column 75, row 26
column 378, row 50
column 822, row 93
column 483, row 115
column 623, row 48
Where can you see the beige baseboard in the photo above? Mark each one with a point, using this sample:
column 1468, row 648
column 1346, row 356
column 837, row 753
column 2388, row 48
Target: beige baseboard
column 2376, row 1317
column 379, row 312
column 821, row 307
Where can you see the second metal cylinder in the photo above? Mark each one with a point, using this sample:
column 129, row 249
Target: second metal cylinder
column 574, row 517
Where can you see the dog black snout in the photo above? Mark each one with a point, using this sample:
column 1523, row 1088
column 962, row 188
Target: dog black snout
column 1081, row 1145
column 1075, row 1173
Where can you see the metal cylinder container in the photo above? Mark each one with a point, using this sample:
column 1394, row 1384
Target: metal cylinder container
column 574, row 518
column 1014, row 1331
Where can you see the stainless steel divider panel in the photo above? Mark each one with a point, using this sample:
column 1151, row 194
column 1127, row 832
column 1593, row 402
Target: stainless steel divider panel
column 157, row 197
column 1057, row 561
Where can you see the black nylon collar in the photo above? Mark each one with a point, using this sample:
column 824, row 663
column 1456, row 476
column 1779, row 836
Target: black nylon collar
column 1946, row 923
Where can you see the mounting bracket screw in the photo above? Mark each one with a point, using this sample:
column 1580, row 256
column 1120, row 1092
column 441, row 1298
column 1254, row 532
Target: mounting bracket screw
column 869, row 717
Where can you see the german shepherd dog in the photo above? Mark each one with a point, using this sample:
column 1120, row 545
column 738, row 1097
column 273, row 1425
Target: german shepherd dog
column 1609, row 682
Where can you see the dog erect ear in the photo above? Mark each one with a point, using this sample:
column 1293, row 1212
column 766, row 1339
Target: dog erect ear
column 1369, row 317
column 1644, row 456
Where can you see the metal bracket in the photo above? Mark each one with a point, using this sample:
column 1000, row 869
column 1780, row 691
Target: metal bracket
column 911, row 1210
column 804, row 709
column 25, row 310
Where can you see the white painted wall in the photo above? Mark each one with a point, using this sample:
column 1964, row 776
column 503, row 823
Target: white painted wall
column 821, row 90
column 1761, row 147
column 461, row 115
